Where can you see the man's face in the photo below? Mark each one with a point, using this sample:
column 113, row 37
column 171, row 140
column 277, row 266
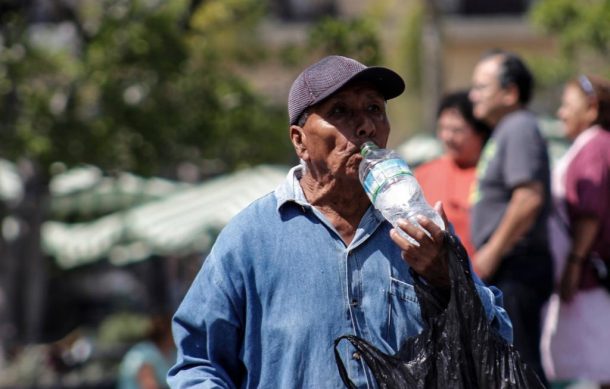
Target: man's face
column 487, row 96
column 330, row 139
column 461, row 142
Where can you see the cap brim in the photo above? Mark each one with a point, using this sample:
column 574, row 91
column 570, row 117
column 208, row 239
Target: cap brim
column 388, row 82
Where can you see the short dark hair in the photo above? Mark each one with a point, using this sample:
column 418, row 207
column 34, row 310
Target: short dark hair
column 514, row 71
column 302, row 118
column 459, row 100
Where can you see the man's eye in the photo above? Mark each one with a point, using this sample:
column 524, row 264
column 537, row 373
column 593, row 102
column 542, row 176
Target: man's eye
column 374, row 108
column 337, row 110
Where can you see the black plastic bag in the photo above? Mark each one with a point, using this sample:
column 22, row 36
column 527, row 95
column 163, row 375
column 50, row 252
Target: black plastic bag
column 458, row 349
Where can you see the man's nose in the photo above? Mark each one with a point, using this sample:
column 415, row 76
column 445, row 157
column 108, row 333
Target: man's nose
column 473, row 95
column 365, row 125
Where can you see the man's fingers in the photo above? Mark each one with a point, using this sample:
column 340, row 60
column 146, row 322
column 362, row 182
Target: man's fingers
column 428, row 225
column 438, row 207
column 414, row 231
column 425, row 258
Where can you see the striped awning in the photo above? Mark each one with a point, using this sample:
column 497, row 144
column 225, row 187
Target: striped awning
column 181, row 223
column 86, row 192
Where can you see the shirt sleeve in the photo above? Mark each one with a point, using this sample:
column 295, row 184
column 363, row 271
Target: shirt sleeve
column 492, row 300
column 524, row 153
column 207, row 329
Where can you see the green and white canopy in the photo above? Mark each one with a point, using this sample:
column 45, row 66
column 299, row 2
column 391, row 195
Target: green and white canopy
column 183, row 222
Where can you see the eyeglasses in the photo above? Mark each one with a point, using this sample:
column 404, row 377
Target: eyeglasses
column 586, row 85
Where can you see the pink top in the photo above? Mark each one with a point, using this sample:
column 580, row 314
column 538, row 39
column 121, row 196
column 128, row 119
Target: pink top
column 575, row 341
column 587, row 185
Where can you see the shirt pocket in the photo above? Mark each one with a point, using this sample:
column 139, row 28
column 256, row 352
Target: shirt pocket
column 404, row 315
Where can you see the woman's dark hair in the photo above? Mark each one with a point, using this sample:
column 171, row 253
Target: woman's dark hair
column 514, row 71
column 459, row 100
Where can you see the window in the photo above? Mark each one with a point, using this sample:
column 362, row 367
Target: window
column 298, row 10
column 484, row 7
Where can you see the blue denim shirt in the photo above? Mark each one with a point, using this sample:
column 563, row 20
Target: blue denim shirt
column 280, row 285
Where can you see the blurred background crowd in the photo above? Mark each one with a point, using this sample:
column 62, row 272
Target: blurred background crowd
column 131, row 131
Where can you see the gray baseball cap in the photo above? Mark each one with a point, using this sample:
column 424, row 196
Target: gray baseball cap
column 327, row 76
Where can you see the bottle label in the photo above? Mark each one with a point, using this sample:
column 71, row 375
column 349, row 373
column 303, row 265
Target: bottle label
column 381, row 173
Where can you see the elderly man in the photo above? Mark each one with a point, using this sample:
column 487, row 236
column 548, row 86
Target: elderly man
column 313, row 260
column 512, row 198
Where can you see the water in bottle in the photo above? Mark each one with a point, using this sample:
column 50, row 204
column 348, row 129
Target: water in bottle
column 392, row 188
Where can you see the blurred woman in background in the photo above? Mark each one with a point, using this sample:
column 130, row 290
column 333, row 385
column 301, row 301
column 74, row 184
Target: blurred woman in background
column 576, row 339
column 449, row 178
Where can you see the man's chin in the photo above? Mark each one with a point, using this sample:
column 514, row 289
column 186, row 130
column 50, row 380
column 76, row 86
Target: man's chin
column 479, row 113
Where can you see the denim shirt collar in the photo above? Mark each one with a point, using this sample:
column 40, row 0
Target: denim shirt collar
column 290, row 191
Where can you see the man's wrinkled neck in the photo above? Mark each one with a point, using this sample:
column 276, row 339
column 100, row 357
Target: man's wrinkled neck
column 342, row 203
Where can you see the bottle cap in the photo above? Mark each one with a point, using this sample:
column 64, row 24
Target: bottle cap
column 367, row 146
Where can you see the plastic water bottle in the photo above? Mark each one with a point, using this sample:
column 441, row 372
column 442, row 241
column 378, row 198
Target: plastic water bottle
column 392, row 188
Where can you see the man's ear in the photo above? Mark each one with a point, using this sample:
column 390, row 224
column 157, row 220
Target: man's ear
column 511, row 95
column 297, row 136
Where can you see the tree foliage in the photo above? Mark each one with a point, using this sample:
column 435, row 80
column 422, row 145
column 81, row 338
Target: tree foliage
column 578, row 25
column 356, row 37
column 136, row 85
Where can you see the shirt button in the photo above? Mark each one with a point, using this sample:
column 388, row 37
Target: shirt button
column 354, row 303
column 356, row 355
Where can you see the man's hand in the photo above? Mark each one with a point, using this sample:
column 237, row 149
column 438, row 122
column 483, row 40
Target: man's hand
column 523, row 208
column 429, row 259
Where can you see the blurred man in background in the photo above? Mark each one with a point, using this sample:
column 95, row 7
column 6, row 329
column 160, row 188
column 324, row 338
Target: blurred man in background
column 511, row 198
